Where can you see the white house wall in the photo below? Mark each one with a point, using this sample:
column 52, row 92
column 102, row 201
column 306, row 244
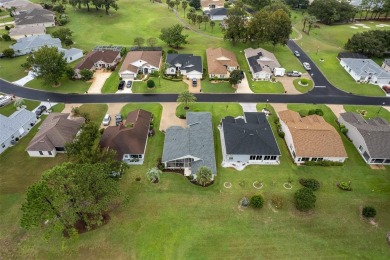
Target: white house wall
column 44, row 153
column 217, row 17
column 26, row 129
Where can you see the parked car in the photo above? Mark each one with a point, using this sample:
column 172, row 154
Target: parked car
column 118, row 119
column 121, row 85
column 386, row 88
column 306, row 65
column 2, row 55
column 129, row 84
column 5, row 100
column 294, row 73
column 297, row 54
column 106, row 119
column 194, row 82
column 40, row 110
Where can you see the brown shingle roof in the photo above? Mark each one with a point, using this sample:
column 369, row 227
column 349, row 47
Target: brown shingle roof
column 128, row 140
column 313, row 136
column 206, row 3
column 151, row 57
column 217, row 58
column 108, row 56
column 55, row 131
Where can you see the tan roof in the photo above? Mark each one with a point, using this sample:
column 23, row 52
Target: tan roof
column 128, row 140
column 151, row 57
column 26, row 30
column 264, row 58
column 313, row 136
column 107, row 56
column 217, row 58
column 55, row 131
column 206, row 3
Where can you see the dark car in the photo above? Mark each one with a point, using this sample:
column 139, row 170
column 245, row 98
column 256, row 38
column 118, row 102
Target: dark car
column 118, row 119
column 121, row 85
column 40, row 110
column 129, row 84
column 194, row 82
column 386, row 88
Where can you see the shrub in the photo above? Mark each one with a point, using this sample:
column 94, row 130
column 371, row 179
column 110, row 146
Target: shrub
column 9, row 53
column 276, row 120
column 345, row 186
column 172, row 51
column 323, row 163
column 305, row 199
column 153, row 175
column 344, row 130
column 150, row 83
column 369, row 212
column 101, row 131
column 312, row 184
column 317, row 111
column 6, row 37
column 257, row 201
column 86, row 74
column 304, row 81
column 59, row 9
column 69, row 72
column 277, row 201
column 156, row 73
column 204, row 176
column 7, row 28
column 281, row 134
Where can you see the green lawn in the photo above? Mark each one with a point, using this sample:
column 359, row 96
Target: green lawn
column 266, row 87
column 220, row 87
column 66, row 86
column 10, row 108
column 371, row 111
column 6, row 19
column 303, row 89
column 111, row 84
column 95, row 111
column 10, row 69
column 161, row 86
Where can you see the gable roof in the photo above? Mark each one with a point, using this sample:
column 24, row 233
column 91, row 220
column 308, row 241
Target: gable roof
column 218, row 59
column 128, row 140
column 26, row 30
column 206, row 3
column 107, row 56
column 218, row 11
column 188, row 62
column 250, row 136
column 375, row 132
column 35, row 41
column 57, row 130
column 195, row 140
column 70, row 52
column 261, row 60
column 387, row 62
column 150, row 57
column 352, row 55
column 9, row 125
column 366, row 67
column 34, row 16
column 313, row 136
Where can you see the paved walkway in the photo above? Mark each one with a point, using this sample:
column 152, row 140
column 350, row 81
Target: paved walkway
column 243, row 87
column 99, row 77
column 279, row 107
column 249, row 107
column 25, row 79
column 168, row 117
column 299, row 34
column 337, row 109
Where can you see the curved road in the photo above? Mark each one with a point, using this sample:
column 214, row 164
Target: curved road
column 323, row 93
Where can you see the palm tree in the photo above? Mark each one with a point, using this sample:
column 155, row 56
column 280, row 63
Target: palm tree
column 153, row 175
column 205, row 19
column 184, row 5
column 164, row 68
column 177, row 3
column 186, row 98
column 311, row 21
column 212, row 24
column 204, row 176
column 199, row 19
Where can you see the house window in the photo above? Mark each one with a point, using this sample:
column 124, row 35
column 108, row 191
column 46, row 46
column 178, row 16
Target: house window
column 259, row 157
column 230, row 157
column 3, row 145
column 49, row 152
column 314, row 159
column 299, row 159
column 267, row 157
column 387, row 161
column 273, row 157
column 360, row 148
column 70, row 58
column 252, row 157
column 305, row 159
column 320, row 159
column 40, row 152
column 293, row 154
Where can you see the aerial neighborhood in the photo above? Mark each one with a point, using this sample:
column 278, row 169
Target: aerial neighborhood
column 194, row 129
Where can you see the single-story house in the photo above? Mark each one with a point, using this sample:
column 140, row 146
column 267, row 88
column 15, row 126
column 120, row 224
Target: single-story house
column 129, row 140
column 311, row 138
column 221, row 62
column 386, row 65
column 144, row 62
column 104, row 59
column 216, row 14
column 191, row 147
column 57, row 130
column 185, row 64
column 371, row 137
column 30, row 44
column 15, row 127
column 365, row 71
column 21, row 6
column 351, row 55
column 26, row 31
column 35, row 17
column 263, row 64
column 71, row 54
column 211, row 4
column 248, row 140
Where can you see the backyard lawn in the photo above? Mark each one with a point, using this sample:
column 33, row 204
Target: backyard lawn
column 10, row 108
column 369, row 111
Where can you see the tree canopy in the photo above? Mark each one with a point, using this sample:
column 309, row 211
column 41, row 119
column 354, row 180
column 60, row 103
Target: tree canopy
column 173, row 36
column 99, row 4
column 331, row 11
column 186, row 98
column 305, row 199
column 371, row 43
column 204, row 176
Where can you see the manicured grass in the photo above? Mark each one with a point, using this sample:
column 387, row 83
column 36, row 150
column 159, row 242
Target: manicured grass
column 10, row 69
column 66, row 86
column 220, row 87
column 266, row 87
column 161, row 86
column 111, row 84
column 95, row 111
column 303, row 89
column 10, row 108
column 371, row 111
column 6, row 19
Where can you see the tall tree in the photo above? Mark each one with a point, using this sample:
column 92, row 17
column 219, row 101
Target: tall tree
column 63, row 34
column 235, row 77
column 312, row 20
column 330, row 11
column 212, row 24
column 205, row 19
column 235, row 28
column 258, row 4
column 195, row 4
column 177, row 3
column 171, row 4
column 186, row 98
column 204, row 176
column 139, row 41
column 184, row 5
column 280, row 28
column 108, row 4
column 151, row 41
column 258, row 27
column 48, row 63
column 199, row 19
column 173, row 36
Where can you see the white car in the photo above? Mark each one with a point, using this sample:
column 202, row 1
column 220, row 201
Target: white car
column 106, row 119
column 306, row 65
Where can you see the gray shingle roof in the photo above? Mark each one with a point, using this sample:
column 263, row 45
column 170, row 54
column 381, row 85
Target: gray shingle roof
column 387, row 62
column 36, row 41
column 70, row 52
column 34, row 16
column 252, row 136
column 218, row 11
column 188, row 62
column 375, row 132
column 195, row 140
column 366, row 67
column 9, row 125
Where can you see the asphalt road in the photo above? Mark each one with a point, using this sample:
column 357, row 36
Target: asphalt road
column 323, row 93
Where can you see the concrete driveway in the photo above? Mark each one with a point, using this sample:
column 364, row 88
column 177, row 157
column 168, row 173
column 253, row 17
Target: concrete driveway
column 192, row 89
column 99, row 77
column 169, row 118
column 288, row 84
column 243, row 87
column 30, row 76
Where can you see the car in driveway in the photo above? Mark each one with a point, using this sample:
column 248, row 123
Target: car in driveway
column 194, row 82
column 106, row 120
column 386, row 88
column 129, row 84
column 294, row 73
column 40, row 110
column 121, row 85
column 297, row 54
column 118, row 119
column 306, row 65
